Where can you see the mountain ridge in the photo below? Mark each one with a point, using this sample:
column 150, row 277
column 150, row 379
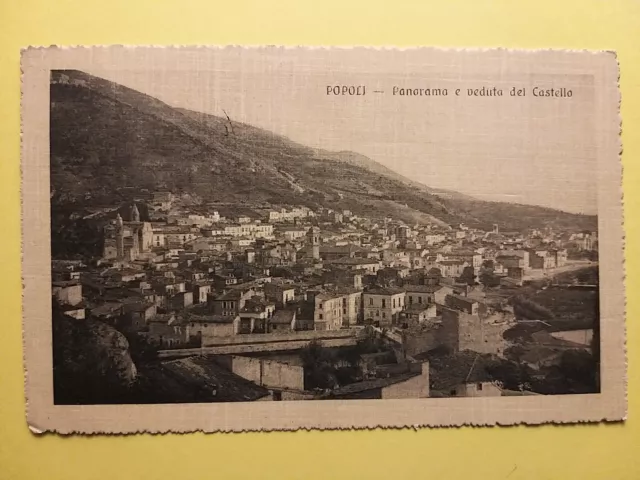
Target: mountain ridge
column 105, row 136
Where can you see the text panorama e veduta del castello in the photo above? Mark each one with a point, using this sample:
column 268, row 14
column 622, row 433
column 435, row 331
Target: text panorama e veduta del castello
column 536, row 91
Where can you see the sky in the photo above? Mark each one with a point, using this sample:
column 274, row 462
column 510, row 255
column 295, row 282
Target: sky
column 527, row 149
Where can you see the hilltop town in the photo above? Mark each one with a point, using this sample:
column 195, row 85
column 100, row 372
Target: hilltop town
column 278, row 302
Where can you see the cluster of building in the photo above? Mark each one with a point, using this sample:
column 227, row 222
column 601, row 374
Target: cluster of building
column 187, row 279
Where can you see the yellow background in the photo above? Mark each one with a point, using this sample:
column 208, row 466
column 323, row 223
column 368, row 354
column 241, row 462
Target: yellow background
column 584, row 451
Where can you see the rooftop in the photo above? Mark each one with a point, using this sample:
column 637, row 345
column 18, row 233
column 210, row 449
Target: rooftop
column 422, row 288
column 462, row 253
column 371, row 384
column 230, row 295
column 464, row 367
column 451, row 262
column 256, row 304
column 354, row 261
column 385, row 291
column 283, row 317
column 66, row 283
column 460, row 298
column 106, row 308
column 418, row 307
column 220, row 319
column 203, row 375
column 136, row 307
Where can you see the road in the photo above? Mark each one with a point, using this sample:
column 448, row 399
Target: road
column 571, row 265
column 390, row 335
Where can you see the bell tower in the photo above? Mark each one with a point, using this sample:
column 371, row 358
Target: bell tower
column 119, row 237
column 313, row 240
column 135, row 214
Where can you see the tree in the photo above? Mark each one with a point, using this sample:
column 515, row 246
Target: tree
column 468, row 276
column 579, row 368
column 91, row 362
column 524, row 307
column 488, row 279
column 515, row 353
column 577, row 372
column 140, row 348
column 75, row 238
column 584, row 276
column 319, row 366
column 512, row 375
column 371, row 343
column 435, row 272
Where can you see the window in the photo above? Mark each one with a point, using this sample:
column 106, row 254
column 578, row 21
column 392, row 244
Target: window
column 479, row 386
column 394, row 303
column 371, row 301
column 410, row 299
column 384, row 315
column 419, row 300
column 320, row 316
column 377, row 313
column 453, row 391
column 344, row 311
column 384, row 303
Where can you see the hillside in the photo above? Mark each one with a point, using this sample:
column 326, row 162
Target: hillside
column 91, row 361
column 105, row 137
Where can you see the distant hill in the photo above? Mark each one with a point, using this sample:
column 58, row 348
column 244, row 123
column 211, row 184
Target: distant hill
column 106, row 137
column 367, row 163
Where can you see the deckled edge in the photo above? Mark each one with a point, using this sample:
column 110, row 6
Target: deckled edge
column 591, row 423
column 447, row 49
column 623, row 240
column 25, row 392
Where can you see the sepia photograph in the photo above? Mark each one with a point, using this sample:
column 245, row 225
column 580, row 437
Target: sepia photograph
column 287, row 225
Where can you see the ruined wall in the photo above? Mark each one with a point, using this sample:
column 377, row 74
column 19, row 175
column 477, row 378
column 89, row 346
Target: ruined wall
column 268, row 373
column 247, row 368
column 414, row 387
column 417, row 341
column 448, row 334
column 282, row 375
column 479, row 335
column 481, row 389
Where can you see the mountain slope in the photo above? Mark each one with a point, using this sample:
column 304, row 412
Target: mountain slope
column 367, row 163
column 106, row 137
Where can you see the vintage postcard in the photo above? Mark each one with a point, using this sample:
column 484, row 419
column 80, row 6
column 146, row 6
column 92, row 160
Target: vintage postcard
column 270, row 238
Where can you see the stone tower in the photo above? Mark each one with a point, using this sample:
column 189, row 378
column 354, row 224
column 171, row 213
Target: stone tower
column 313, row 240
column 135, row 214
column 119, row 237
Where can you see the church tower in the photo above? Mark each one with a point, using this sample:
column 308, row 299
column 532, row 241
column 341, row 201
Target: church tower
column 313, row 240
column 119, row 237
column 135, row 214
